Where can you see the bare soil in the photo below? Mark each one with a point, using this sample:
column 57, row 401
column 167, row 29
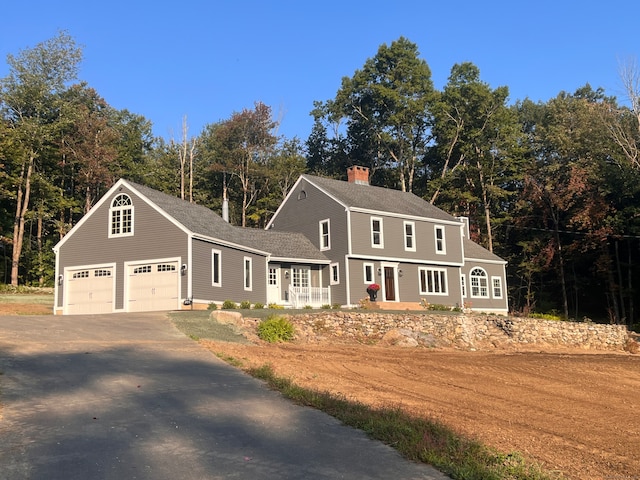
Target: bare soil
column 572, row 412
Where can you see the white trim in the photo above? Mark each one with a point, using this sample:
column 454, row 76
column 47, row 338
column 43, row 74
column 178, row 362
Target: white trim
column 401, row 215
column 418, row 261
column 67, row 271
column 499, row 278
column 380, row 232
column 332, row 280
column 479, row 286
column 436, row 229
column 247, row 275
column 130, row 263
column 383, row 283
column 219, row 272
column 442, row 281
column 324, row 247
column 406, row 223
column 482, row 260
column 368, row 281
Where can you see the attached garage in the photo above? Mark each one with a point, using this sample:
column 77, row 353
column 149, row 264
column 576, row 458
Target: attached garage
column 153, row 286
column 89, row 290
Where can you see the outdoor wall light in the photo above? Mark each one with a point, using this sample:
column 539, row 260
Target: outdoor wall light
column 183, row 269
column 400, row 272
column 286, row 274
column 60, row 279
column 379, row 272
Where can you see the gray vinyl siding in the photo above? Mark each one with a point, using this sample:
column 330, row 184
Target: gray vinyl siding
column 154, row 237
column 303, row 215
column 393, row 239
column 232, row 275
column 493, row 270
column 408, row 282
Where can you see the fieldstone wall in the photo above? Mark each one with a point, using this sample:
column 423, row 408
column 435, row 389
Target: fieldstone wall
column 467, row 331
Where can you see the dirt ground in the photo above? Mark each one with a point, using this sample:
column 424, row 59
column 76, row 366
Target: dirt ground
column 24, row 309
column 575, row 413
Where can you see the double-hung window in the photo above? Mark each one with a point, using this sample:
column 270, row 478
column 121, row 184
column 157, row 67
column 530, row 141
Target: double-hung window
column 377, row 233
column 433, row 281
column 301, row 276
column 409, row 236
column 496, row 285
column 325, row 235
column 441, row 246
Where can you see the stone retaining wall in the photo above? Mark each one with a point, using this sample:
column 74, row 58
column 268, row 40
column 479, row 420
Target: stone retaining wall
column 468, row 331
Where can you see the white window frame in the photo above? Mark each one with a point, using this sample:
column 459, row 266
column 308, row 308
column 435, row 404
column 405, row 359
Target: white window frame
column 121, row 207
column 479, row 289
column 273, row 279
column 368, row 279
column 438, row 277
column 325, row 238
column 495, row 286
column 215, row 273
column 380, row 233
column 301, row 276
column 247, row 264
column 411, row 237
column 440, row 243
column 334, row 272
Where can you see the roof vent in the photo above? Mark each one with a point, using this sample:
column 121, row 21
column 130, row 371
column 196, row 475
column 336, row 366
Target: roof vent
column 358, row 174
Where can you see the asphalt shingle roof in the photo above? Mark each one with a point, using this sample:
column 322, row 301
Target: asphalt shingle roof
column 202, row 221
column 379, row 199
column 478, row 252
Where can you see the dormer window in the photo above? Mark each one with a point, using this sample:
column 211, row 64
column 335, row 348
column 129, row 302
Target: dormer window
column 121, row 216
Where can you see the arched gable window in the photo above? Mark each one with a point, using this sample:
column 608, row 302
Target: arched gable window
column 479, row 283
column 121, row 216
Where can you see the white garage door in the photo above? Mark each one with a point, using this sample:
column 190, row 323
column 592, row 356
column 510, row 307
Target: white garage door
column 90, row 291
column 153, row 287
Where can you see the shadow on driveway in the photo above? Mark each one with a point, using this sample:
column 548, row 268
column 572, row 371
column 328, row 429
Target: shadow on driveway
column 129, row 397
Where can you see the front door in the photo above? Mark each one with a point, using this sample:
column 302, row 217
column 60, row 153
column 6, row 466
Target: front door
column 389, row 284
column 273, row 286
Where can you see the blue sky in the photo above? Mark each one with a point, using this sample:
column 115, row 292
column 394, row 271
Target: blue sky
column 207, row 59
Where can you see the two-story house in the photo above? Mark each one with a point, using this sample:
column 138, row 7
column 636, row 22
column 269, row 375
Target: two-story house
column 142, row 250
column 414, row 251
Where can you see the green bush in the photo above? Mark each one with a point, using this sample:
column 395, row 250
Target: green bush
column 275, row 306
column 229, row 305
column 258, row 306
column 276, row 329
column 245, row 305
column 212, row 306
column 326, row 306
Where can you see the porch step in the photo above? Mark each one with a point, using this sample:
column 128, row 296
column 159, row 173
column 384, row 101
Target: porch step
column 397, row 305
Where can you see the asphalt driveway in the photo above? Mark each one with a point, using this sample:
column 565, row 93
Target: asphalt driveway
column 127, row 396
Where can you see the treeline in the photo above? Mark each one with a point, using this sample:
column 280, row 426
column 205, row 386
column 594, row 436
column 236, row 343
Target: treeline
column 553, row 187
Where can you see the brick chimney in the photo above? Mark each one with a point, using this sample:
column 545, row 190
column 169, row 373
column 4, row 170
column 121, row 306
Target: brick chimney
column 358, row 174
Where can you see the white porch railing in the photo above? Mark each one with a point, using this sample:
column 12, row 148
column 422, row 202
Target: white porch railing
column 300, row 297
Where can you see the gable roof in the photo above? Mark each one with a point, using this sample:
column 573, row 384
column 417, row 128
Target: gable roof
column 379, row 199
column 200, row 220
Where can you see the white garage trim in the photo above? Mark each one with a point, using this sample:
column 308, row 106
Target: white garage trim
column 152, row 285
column 89, row 289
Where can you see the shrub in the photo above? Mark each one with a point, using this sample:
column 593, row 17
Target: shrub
column 326, row 306
column 336, row 306
column 212, row 306
column 276, row 329
column 245, row 305
column 229, row 305
column 258, row 306
column 275, row 306
column 308, row 307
